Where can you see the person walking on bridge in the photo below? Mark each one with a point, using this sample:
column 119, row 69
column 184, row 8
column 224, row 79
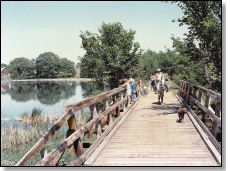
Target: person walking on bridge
column 160, row 76
column 155, row 83
column 128, row 90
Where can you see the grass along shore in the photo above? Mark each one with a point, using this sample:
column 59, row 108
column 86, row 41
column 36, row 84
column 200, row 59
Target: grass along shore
column 18, row 136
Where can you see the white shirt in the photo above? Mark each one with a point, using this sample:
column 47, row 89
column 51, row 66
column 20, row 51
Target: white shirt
column 159, row 76
column 131, row 79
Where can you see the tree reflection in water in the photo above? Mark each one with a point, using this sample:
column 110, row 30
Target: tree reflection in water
column 44, row 92
column 53, row 92
column 88, row 88
column 22, row 91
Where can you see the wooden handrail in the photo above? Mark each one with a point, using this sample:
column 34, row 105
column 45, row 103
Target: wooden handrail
column 44, row 140
column 210, row 93
column 206, row 110
column 75, row 136
column 47, row 161
column 92, row 100
column 188, row 94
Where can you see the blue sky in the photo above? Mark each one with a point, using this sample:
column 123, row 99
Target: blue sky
column 31, row 28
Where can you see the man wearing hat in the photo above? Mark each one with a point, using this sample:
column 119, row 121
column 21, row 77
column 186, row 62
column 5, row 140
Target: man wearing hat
column 160, row 76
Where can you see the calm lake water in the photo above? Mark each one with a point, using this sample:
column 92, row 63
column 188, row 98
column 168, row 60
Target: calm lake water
column 18, row 98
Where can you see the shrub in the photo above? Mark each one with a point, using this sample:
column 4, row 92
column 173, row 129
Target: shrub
column 36, row 113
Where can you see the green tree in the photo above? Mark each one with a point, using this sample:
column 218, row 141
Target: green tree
column 177, row 65
column 148, row 64
column 110, row 55
column 203, row 19
column 66, row 68
column 22, row 68
column 50, row 65
column 47, row 65
column 3, row 66
column 187, row 62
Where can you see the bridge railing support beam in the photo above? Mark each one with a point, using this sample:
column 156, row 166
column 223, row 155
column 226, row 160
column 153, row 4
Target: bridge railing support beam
column 188, row 92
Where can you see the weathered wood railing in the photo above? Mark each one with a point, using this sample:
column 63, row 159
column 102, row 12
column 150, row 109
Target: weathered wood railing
column 197, row 99
column 99, row 124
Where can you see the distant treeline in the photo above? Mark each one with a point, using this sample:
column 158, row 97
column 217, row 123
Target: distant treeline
column 177, row 67
column 46, row 65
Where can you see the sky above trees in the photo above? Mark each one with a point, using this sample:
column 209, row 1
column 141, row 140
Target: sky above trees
column 31, row 28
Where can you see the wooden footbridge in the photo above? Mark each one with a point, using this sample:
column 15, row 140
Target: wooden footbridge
column 143, row 134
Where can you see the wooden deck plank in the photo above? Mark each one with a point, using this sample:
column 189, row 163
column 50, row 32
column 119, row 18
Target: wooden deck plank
column 150, row 136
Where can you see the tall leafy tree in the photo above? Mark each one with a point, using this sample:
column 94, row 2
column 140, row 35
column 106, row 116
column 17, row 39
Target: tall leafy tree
column 47, row 65
column 22, row 68
column 110, row 55
column 50, row 65
column 148, row 64
column 203, row 19
column 189, row 57
column 66, row 68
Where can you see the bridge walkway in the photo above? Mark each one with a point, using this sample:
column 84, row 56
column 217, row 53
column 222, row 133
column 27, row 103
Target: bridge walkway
column 151, row 136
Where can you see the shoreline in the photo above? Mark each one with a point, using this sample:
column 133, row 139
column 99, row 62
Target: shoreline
column 51, row 79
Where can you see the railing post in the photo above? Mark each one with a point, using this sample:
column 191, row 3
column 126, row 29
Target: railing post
column 179, row 90
column 187, row 93
column 182, row 88
column 106, row 103
column 123, row 104
column 43, row 151
column 215, row 127
column 109, row 116
column 206, row 104
column 194, row 95
column 117, row 111
column 105, row 120
column 96, row 127
column 93, row 111
column 77, row 146
column 199, row 99
column 184, row 91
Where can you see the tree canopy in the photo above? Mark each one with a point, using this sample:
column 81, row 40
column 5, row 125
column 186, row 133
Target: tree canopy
column 66, row 68
column 110, row 55
column 22, row 68
column 46, row 65
column 203, row 40
column 176, row 66
column 50, row 65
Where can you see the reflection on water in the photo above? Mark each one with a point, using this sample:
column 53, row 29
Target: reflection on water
column 51, row 92
column 22, row 92
column 46, row 93
column 21, row 97
column 88, row 88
